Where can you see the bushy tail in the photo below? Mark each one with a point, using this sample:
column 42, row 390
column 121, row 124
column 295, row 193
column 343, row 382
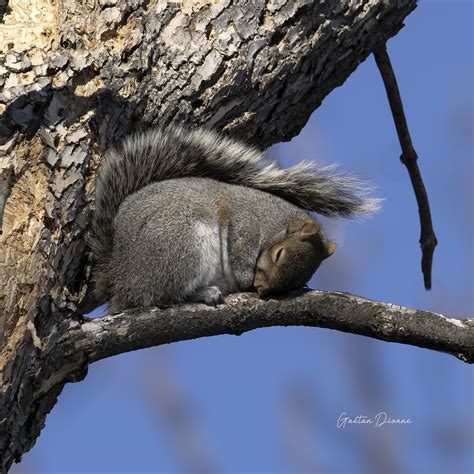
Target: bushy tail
column 176, row 152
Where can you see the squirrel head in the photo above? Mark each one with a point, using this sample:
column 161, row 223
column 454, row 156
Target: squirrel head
column 290, row 263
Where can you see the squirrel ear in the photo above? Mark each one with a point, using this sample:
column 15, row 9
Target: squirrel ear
column 295, row 225
column 330, row 248
column 305, row 229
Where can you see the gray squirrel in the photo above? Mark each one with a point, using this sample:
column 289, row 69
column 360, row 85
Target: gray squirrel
column 188, row 214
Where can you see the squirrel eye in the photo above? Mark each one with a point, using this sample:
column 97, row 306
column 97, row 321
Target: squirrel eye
column 278, row 254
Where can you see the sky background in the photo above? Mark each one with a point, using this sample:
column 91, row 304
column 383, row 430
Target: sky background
column 269, row 401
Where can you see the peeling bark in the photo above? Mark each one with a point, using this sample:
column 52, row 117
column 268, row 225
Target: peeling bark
column 77, row 76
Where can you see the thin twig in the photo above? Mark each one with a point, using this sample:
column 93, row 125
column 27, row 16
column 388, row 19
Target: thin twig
column 409, row 158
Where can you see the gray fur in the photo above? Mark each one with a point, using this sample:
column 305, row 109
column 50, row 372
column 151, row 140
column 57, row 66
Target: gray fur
column 141, row 205
column 173, row 223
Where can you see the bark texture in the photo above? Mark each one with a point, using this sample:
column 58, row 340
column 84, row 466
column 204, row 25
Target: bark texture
column 75, row 77
column 132, row 330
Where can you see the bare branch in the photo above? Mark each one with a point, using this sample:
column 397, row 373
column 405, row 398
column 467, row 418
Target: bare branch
column 137, row 329
column 409, row 158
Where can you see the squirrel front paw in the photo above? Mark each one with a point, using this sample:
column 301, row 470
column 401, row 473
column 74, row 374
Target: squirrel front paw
column 211, row 295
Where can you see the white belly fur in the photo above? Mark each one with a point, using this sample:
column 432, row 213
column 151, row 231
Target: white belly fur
column 214, row 263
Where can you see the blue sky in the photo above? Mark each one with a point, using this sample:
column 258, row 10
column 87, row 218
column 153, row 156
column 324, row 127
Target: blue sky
column 269, row 401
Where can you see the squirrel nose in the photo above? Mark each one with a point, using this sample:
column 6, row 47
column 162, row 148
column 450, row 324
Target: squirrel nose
column 261, row 290
column 260, row 284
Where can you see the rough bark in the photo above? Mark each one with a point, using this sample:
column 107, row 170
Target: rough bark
column 137, row 329
column 75, row 77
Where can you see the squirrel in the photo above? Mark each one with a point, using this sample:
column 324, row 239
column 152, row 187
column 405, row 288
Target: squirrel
column 188, row 214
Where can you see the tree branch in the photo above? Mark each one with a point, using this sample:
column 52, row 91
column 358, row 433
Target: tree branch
column 409, row 158
column 104, row 337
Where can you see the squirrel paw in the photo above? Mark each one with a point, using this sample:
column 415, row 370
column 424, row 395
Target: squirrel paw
column 211, row 295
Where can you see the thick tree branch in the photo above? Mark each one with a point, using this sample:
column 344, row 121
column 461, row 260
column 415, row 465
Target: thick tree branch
column 131, row 330
column 409, row 158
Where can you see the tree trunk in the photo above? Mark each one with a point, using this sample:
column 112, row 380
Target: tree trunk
column 77, row 76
